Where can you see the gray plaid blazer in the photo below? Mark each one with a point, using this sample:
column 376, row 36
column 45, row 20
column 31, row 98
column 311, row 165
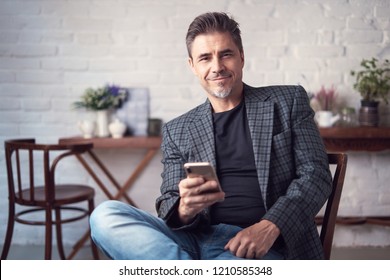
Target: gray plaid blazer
column 290, row 157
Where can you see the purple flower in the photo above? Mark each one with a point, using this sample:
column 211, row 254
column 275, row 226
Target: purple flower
column 326, row 98
column 114, row 90
column 107, row 97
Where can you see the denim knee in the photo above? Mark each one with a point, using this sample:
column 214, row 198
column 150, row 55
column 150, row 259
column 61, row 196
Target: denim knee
column 102, row 218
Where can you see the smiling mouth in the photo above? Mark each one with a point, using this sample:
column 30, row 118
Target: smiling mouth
column 219, row 77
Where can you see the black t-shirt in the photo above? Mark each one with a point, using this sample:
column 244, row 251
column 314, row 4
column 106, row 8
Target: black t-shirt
column 243, row 205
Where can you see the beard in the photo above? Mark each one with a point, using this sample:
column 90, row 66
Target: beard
column 221, row 92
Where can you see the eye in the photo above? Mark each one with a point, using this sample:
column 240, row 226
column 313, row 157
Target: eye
column 203, row 58
column 227, row 54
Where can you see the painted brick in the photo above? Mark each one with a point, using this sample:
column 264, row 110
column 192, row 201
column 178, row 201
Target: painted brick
column 57, row 37
column 8, row 37
column 382, row 11
column 18, row 7
column 8, row 104
column 362, row 37
column 83, row 51
column 61, row 9
column 41, row 77
column 7, row 77
column 320, row 51
column 112, row 65
column 64, row 64
column 18, row 63
column 36, row 104
column 33, row 50
column 87, row 24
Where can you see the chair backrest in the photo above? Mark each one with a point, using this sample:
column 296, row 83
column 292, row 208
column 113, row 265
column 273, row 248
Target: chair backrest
column 21, row 157
column 332, row 205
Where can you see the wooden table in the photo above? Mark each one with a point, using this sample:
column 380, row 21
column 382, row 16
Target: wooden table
column 358, row 139
column 367, row 139
column 151, row 144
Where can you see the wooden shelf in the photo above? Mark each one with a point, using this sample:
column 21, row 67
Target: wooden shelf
column 342, row 139
column 138, row 142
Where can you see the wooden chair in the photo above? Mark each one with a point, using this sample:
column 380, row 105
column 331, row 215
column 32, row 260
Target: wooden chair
column 328, row 220
column 24, row 160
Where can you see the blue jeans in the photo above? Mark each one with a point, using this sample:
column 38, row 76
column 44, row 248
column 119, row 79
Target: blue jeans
column 124, row 232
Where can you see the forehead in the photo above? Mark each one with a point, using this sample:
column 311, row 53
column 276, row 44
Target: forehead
column 212, row 42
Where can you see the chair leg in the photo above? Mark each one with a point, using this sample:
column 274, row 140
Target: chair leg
column 48, row 233
column 10, row 231
column 60, row 245
column 95, row 252
column 87, row 235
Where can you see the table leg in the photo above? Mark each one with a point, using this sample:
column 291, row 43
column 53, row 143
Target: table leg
column 94, row 176
column 110, row 177
column 121, row 190
column 107, row 173
column 141, row 166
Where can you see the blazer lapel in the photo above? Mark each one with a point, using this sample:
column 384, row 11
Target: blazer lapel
column 201, row 133
column 260, row 119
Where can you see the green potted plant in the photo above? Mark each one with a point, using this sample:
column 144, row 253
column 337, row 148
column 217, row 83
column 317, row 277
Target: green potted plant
column 101, row 100
column 373, row 83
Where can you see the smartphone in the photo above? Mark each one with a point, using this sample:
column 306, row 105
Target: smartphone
column 203, row 169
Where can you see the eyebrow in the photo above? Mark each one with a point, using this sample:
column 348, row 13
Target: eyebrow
column 203, row 55
column 225, row 51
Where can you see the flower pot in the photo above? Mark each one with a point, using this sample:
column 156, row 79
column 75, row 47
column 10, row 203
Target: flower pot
column 368, row 113
column 102, row 123
column 326, row 118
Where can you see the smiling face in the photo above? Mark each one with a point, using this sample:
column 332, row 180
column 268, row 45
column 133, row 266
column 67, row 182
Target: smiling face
column 218, row 63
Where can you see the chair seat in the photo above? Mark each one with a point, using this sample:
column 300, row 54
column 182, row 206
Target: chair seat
column 64, row 194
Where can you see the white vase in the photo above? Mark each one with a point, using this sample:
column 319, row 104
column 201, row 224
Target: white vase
column 326, row 118
column 87, row 127
column 117, row 128
column 102, row 123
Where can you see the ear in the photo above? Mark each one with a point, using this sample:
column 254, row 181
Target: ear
column 191, row 64
column 242, row 58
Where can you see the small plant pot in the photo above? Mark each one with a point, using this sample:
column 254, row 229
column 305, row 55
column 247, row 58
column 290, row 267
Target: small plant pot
column 368, row 113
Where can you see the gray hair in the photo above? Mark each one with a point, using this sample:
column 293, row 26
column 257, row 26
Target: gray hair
column 213, row 22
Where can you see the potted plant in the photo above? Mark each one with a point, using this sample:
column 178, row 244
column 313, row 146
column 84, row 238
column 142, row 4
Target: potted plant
column 101, row 100
column 323, row 103
column 373, row 83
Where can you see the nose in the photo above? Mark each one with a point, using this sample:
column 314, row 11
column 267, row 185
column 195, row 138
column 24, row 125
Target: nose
column 217, row 65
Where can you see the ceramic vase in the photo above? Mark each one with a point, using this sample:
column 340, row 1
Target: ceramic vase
column 368, row 113
column 87, row 128
column 102, row 123
column 326, row 118
column 117, row 129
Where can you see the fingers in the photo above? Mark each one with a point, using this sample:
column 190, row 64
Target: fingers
column 195, row 195
column 197, row 186
column 243, row 250
column 249, row 244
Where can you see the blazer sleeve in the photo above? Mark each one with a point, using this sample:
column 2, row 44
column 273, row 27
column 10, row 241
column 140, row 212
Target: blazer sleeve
column 294, row 210
column 174, row 157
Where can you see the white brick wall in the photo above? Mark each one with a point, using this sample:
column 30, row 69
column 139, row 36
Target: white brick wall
column 50, row 51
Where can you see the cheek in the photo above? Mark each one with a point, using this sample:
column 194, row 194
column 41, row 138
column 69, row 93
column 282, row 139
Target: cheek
column 201, row 72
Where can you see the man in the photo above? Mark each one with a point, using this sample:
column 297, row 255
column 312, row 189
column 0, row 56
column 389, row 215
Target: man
column 268, row 155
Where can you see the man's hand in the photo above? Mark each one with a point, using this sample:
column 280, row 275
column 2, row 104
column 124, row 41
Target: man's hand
column 255, row 241
column 195, row 195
